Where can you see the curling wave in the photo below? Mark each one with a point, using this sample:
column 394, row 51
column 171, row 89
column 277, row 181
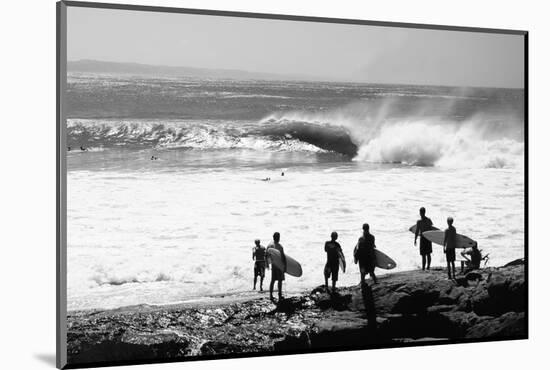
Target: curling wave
column 269, row 135
column 358, row 131
column 368, row 132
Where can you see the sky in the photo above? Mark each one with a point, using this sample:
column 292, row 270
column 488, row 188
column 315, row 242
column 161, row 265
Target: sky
column 325, row 51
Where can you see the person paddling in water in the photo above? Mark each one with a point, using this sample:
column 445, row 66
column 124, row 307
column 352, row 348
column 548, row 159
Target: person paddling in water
column 449, row 246
column 424, row 224
column 259, row 258
column 364, row 254
column 276, row 273
column 334, row 251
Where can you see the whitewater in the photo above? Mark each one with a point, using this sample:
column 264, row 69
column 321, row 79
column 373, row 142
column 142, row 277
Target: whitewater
column 168, row 196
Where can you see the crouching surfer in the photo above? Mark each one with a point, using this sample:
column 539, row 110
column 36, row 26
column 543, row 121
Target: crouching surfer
column 334, row 253
column 259, row 256
column 474, row 260
column 364, row 254
column 276, row 273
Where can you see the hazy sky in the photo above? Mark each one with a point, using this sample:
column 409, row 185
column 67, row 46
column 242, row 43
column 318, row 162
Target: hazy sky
column 330, row 51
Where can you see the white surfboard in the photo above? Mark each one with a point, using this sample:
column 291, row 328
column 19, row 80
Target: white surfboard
column 437, row 237
column 293, row 267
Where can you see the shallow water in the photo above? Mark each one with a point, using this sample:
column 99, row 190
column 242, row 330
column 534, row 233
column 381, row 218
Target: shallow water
column 153, row 236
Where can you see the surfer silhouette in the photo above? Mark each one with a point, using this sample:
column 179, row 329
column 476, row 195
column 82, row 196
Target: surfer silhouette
column 364, row 254
column 83, row 149
column 474, row 260
column 449, row 246
column 334, row 251
column 259, row 258
column 277, row 274
column 424, row 224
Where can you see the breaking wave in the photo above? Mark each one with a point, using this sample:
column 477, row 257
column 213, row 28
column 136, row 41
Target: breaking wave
column 267, row 136
column 359, row 131
column 369, row 132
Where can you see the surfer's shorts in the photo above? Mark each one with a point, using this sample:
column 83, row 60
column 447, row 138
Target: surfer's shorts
column 425, row 246
column 332, row 269
column 277, row 274
column 450, row 254
column 259, row 269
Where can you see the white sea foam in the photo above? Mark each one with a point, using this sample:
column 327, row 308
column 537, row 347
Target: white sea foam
column 166, row 236
column 480, row 141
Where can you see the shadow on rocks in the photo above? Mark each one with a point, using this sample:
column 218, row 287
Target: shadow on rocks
column 325, row 299
column 370, row 308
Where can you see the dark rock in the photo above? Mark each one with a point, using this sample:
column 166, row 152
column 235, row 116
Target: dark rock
column 335, row 300
column 217, row 347
column 473, row 276
column 518, row 262
column 132, row 346
column 403, row 307
column 290, row 305
column 509, row 325
column 441, row 308
column 462, row 281
column 293, row 342
column 504, row 292
column 416, row 302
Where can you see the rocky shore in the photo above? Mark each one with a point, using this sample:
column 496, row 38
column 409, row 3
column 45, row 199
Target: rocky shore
column 403, row 308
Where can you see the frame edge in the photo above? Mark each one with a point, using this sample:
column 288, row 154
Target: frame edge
column 61, row 186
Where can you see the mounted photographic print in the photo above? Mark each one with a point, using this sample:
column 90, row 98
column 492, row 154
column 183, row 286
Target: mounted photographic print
column 237, row 184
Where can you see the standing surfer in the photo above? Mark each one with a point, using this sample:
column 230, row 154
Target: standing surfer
column 259, row 258
column 449, row 246
column 364, row 254
column 334, row 253
column 424, row 224
column 277, row 274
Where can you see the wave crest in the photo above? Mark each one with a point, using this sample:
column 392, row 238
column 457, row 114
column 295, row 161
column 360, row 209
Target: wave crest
column 359, row 131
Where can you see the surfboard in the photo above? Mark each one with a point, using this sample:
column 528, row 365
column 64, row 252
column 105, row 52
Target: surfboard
column 342, row 261
column 412, row 229
column 383, row 261
column 437, row 237
column 293, row 267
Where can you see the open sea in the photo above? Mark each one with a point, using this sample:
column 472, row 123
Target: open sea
column 181, row 227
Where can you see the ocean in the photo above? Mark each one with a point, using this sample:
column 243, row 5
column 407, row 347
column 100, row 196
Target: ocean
column 180, row 175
